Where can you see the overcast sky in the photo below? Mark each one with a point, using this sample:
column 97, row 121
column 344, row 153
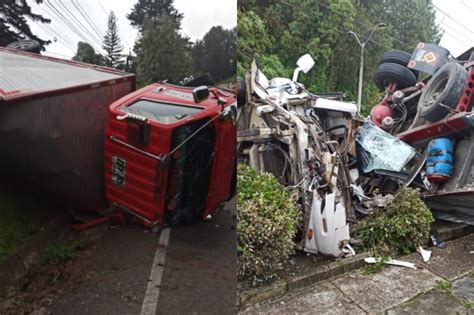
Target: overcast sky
column 199, row 17
column 457, row 23
column 454, row 16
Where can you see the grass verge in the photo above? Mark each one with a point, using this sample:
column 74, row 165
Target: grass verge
column 21, row 216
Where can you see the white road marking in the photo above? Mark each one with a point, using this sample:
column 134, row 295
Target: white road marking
column 150, row 302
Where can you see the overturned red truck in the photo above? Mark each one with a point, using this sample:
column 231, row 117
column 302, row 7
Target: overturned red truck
column 167, row 152
column 427, row 103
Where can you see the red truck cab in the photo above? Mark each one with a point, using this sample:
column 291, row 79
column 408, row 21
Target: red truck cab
column 170, row 159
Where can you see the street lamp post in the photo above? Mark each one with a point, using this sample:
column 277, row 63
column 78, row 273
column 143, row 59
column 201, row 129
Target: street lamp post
column 361, row 67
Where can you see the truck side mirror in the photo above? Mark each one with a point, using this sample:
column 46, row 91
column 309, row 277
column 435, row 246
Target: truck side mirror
column 201, row 93
column 305, row 63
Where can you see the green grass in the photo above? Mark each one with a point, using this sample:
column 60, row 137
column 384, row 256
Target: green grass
column 21, row 215
column 377, row 267
column 14, row 228
column 59, row 253
column 444, row 285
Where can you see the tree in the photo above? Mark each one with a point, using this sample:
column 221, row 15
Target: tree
column 162, row 53
column 216, row 53
column 278, row 32
column 111, row 43
column 85, row 53
column 154, row 10
column 13, row 23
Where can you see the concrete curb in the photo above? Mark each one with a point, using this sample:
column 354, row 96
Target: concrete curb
column 19, row 263
column 450, row 231
column 446, row 232
column 281, row 287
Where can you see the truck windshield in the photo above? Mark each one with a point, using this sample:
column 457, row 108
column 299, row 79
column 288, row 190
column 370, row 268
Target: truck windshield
column 164, row 113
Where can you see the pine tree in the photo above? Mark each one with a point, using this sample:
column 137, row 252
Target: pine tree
column 111, row 43
column 13, row 23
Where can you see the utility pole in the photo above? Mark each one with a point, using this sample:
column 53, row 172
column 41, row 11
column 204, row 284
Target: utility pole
column 361, row 66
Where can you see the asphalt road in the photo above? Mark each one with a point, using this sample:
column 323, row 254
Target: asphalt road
column 198, row 277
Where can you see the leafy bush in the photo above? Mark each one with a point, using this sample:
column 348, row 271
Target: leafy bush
column 267, row 223
column 400, row 227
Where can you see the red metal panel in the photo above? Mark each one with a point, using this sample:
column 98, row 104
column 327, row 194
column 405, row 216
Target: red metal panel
column 223, row 168
column 54, row 143
column 466, row 99
column 454, row 123
column 145, row 179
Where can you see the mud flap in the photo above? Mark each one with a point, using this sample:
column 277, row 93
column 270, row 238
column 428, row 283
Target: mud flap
column 327, row 228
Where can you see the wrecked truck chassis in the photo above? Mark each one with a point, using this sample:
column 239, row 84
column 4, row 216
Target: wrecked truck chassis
column 457, row 194
column 448, row 95
column 283, row 135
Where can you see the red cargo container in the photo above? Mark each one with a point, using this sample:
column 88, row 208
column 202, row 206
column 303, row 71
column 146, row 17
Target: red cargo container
column 169, row 159
column 52, row 123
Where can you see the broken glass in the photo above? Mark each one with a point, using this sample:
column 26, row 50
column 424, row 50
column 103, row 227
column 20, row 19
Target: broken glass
column 379, row 150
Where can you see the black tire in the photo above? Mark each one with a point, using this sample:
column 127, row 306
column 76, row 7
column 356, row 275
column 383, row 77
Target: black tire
column 399, row 57
column 389, row 72
column 446, row 87
column 28, row 45
column 241, row 92
column 205, row 79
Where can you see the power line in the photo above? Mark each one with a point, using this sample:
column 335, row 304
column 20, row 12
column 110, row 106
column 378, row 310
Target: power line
column 69, row 23
column 88, row 20
column 76, row 20
column 65, row 20
column 103, row 9
column 457, row 39
column 107, row 16
column 457, row 22
column 52, row 33
column 53, row 30
column 414, row 8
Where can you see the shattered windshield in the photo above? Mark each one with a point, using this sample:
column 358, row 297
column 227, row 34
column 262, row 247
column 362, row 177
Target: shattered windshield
column 379, row 150
column 164, row 113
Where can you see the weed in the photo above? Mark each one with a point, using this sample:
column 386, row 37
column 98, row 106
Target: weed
column 444, row 285
column 59, row 253
column 375, row 268
column 467, row 304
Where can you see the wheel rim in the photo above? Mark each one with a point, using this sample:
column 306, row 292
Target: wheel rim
column 436, row 91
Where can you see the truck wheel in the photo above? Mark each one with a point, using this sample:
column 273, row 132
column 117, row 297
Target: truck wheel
column 399, row 57
column 390, row 72
column 28, row 45
column 205, row 79
column 241, row 92
column 445, row 88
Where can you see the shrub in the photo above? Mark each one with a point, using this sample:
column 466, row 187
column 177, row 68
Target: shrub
column 266, row 224
column 400, row 227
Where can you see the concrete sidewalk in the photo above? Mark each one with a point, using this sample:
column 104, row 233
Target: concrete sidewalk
column 445, row 285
